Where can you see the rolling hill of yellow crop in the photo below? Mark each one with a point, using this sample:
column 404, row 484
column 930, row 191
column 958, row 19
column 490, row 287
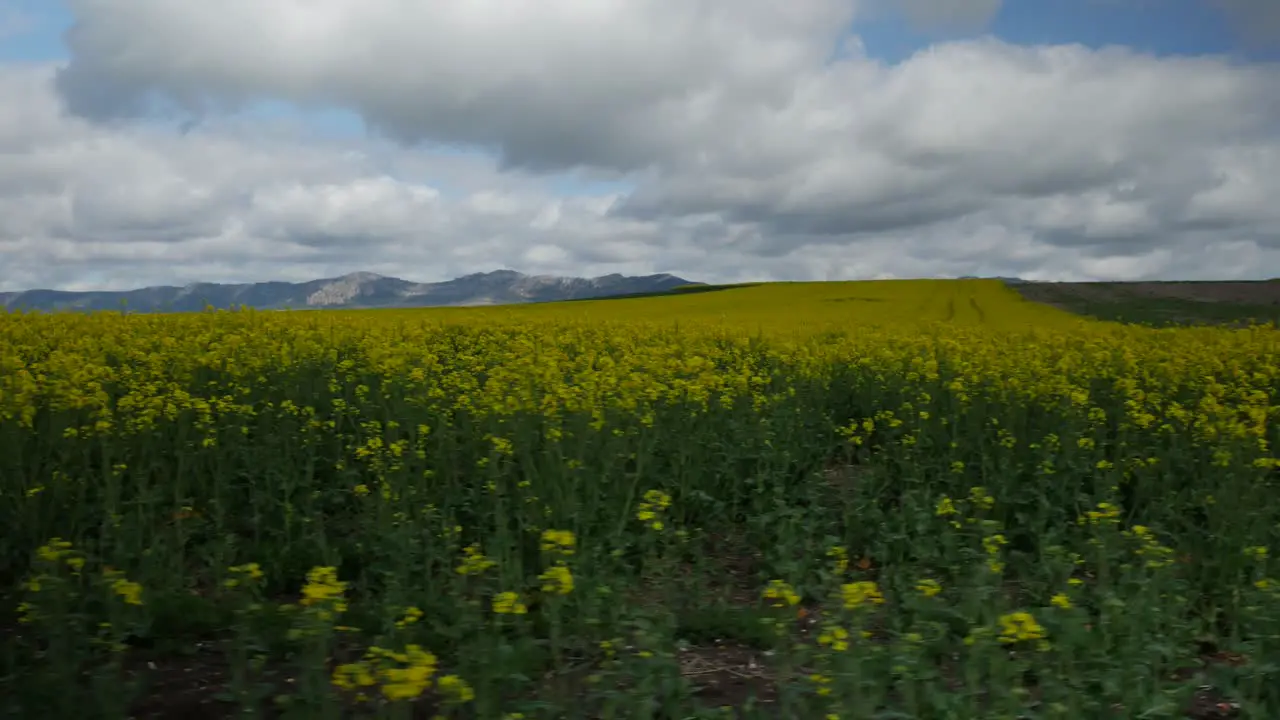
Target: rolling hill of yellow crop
column 802, row 306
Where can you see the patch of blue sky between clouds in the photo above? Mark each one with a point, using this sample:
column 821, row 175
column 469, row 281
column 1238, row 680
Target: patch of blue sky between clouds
column 1158, row 27
column 31, row 30
column 456, row 171
column 333, row 123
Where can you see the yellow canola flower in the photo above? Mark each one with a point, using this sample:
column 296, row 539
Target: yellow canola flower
column 657, row 499
column 455, row 690
column 249, row 572
column 127, row 590
column 55, row 550
column 557, row 580
column 406, row 683
column 401, row 675
column 834, row 637
column 839, row 557
column 946, row 506
column 649, row 511
column 324, row 592
column 509, row 603
column 1105, row 514
column 1020, row 626
column 129, row 374
column 411, row 616
column 779, row 593
column 928, row 587
column 560, row 542
column 860, row 593
column 981, row 498
column 474, row 562
column 1257, row 552
column 821, row 684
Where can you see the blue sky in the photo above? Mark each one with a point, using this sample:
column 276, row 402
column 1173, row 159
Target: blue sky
column 32, row 30
column 1160, row 27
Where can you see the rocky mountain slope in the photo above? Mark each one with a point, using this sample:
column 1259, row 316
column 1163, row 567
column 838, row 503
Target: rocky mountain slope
column 356, row 290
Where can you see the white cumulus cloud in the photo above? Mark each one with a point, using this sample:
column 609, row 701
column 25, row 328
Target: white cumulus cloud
column 736, row 142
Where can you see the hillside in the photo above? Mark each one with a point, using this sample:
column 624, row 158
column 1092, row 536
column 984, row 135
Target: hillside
column 355, row 290
column 1163, row 303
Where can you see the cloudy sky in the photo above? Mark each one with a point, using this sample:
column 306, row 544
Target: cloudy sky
column 152, row 142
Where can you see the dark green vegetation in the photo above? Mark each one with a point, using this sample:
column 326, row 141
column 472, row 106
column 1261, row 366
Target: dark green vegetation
column 1164, row 304
column 690, row 289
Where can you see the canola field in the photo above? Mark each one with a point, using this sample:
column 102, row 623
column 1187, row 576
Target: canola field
column 829, row 500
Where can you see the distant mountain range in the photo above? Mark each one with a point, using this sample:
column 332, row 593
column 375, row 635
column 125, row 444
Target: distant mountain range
column 356, row 290
column 1005, row 280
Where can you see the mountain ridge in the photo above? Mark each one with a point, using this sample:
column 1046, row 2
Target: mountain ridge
column 356, row 290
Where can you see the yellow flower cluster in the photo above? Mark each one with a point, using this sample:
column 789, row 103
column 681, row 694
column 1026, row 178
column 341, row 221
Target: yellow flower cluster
column 860, row 593
column 821, row 684
column 839, row 559
column 52, row 558
column 128, row 374
column 474, row 562
column 1150, row 549
column 1021, row 626
column 779, row 593
column 410, row 617
column 59, row 569
column 323, row 593
column 651, row 508
column 59, row 551
column 558, row 542
column 946, row 506
column 928, row 587
column 401, row 675
column 509, row 603
column 114, row 374
column 557, row 580
column 122, row 587
column 834, row 637
column 1106, row 514
column 240, row 574
column 992, row 545
column 981, row 498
